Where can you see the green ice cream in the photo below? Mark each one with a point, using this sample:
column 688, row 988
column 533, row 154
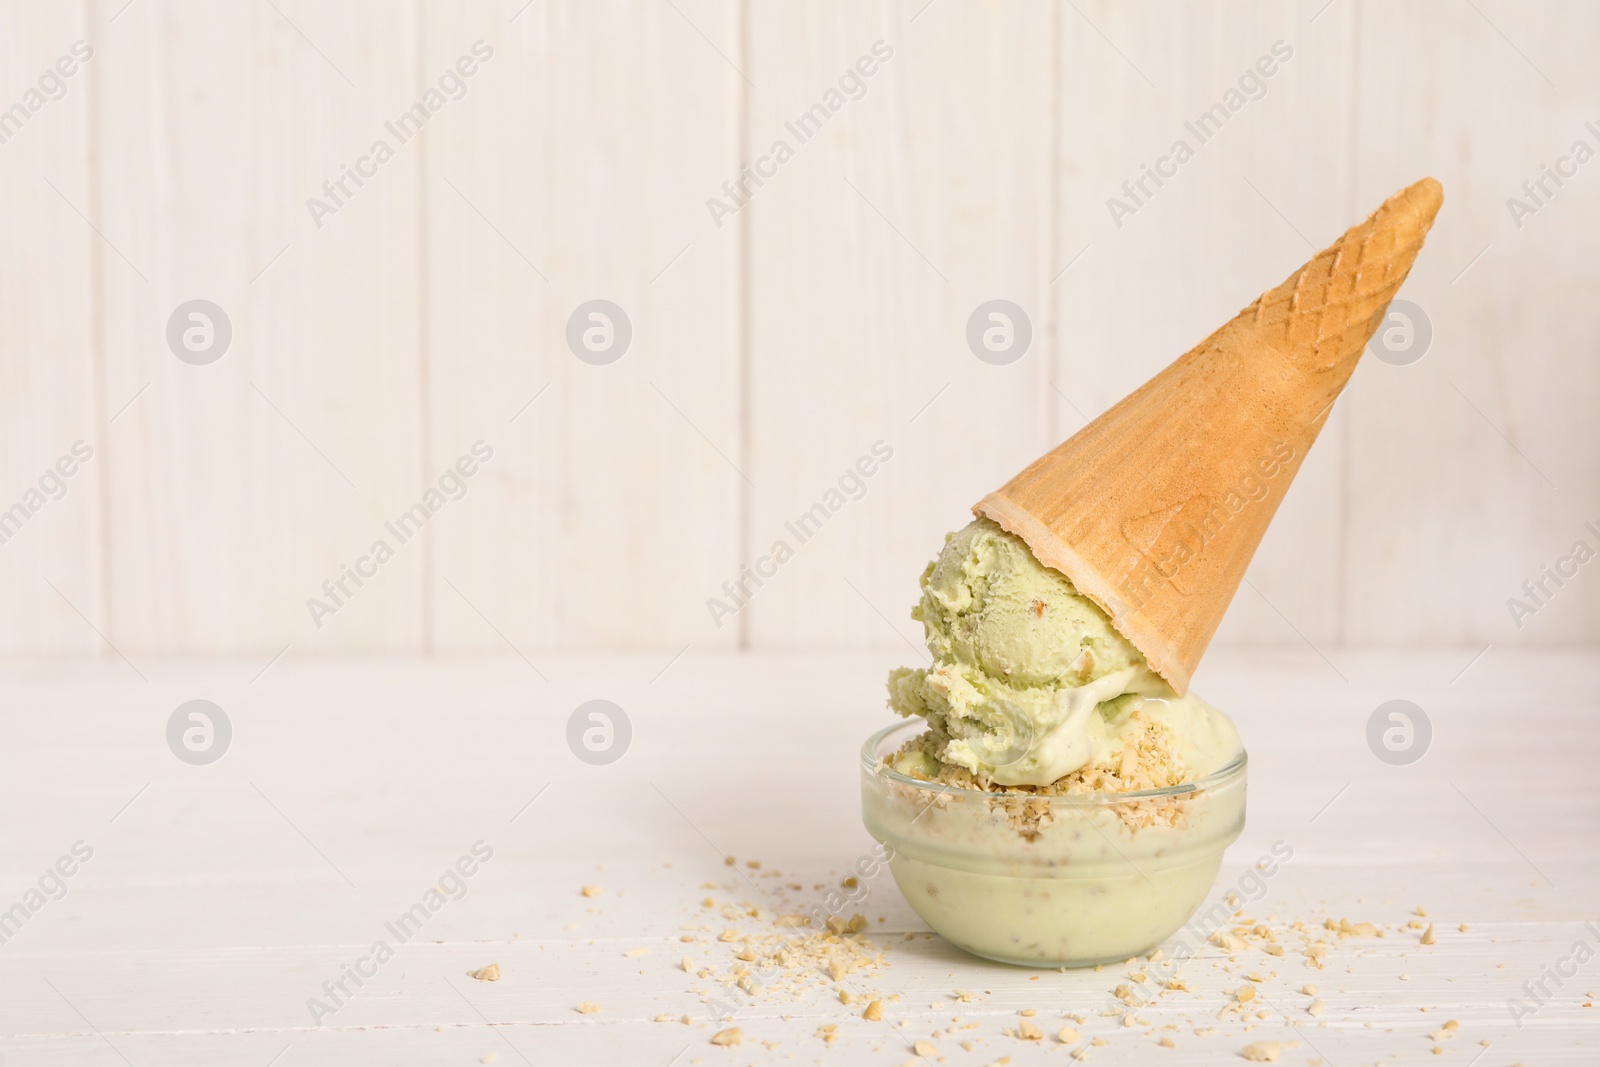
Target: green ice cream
column 1028, row 676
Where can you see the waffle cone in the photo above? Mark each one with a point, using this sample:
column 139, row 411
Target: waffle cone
column 1155, row 508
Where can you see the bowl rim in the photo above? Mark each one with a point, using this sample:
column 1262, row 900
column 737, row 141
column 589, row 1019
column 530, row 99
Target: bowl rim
column 876, row 766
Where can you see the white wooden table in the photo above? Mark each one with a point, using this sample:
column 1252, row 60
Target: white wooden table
column 219, row 898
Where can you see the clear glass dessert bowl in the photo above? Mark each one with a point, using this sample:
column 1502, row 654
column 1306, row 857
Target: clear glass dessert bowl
column 1057, row 881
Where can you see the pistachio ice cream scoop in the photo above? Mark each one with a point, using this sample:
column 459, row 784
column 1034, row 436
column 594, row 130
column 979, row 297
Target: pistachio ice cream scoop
column 1029, row 680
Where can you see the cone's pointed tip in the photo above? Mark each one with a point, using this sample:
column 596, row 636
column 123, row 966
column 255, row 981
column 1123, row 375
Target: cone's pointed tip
column 1423, row 197
column 1429, row 186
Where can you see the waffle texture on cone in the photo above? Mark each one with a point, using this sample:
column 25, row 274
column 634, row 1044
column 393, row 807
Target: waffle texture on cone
column 1155, row 508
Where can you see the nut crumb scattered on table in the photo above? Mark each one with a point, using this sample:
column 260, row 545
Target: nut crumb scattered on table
column 1266, row 1051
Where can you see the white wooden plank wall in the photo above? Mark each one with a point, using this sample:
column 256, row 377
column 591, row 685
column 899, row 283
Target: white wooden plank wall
column 612, row 504
column 50, row 393
column 237, row 488
column 769, row 353
column 869, row 250
column 1466, row 478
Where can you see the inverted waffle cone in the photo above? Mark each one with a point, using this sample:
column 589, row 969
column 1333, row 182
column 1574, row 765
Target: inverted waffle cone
column 1155, row 508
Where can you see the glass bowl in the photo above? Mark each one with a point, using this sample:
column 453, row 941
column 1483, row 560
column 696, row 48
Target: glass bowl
column 1057, row 881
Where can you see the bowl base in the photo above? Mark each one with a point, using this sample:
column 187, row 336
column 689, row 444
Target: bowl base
column 1055, row 922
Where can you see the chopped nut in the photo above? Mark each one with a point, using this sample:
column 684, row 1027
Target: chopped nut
column 730, row 934
column 1427, row 935
column 1067, row 1036
column 491, row 973
column 591, row 890
column 1316, row 1007
column 1309, row 990
column 874, row 1012
column 586, row 1007
column 1027, row 1031
column 1228, row 942
column 1027, row 1013
column 1167, row 1042
column 925, row 1048
column 1245, row 993
column 1266, row 1051
column 634, row 953
column 729, row 1037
